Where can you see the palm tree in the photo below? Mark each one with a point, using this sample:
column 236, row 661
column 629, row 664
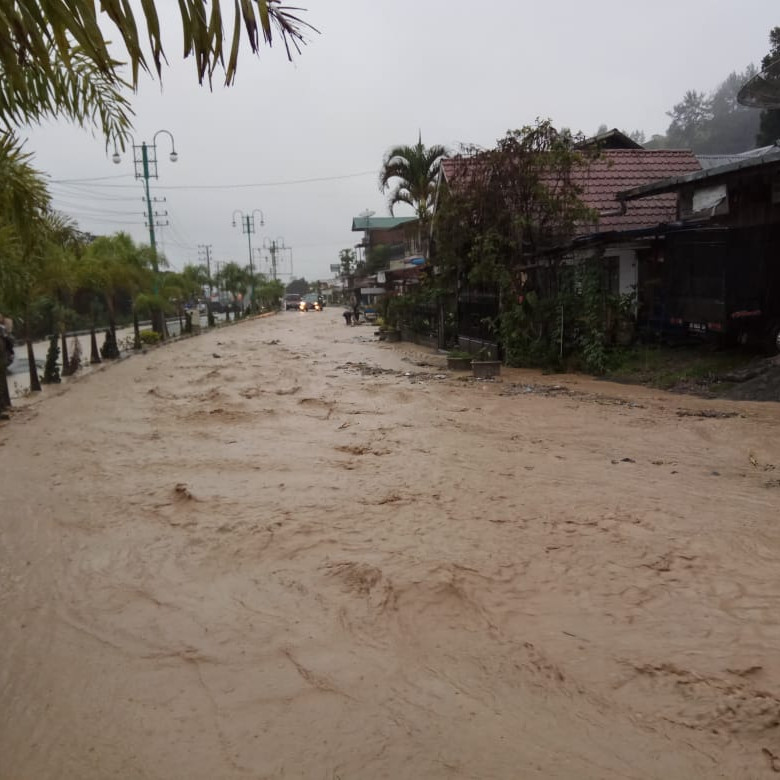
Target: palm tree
column 233, row 278
column 415, row 170
column 24, row 206
column 55, row 55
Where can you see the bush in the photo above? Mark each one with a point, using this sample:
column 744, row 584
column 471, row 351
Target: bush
column 75, row 357
column 150, row 337
column 51, row 372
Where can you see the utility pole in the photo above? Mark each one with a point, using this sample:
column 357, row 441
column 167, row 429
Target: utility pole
column 275, row 246
column 145, row 164
column 204, row 250
column 248, row 227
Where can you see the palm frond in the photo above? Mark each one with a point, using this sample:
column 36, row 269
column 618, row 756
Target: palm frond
column 45, row 33
column 415, row 170
column 78, row 90
column 24, row 198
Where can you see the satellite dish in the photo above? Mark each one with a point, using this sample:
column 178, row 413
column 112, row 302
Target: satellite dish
column 763, row 90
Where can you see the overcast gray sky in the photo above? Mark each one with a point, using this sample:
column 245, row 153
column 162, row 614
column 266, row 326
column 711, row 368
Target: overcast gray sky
column 380, row 71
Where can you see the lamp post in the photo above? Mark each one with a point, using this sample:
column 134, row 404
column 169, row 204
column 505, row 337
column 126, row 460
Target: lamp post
column 248, row 227
column 145, row 165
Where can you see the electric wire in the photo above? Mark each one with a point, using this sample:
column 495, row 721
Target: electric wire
column 280, row 183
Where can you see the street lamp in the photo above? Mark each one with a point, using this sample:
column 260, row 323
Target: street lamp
column 248, row 227
column 145, row 164
column 277, row 245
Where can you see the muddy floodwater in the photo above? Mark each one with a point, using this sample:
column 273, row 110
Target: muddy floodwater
column 286, row 550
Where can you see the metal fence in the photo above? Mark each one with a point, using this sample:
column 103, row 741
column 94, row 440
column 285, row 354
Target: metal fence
column 477, row 310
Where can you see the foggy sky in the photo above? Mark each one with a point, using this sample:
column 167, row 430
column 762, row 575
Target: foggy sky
column 378, row 73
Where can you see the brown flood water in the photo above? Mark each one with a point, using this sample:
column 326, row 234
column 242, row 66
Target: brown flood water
column 247, row 555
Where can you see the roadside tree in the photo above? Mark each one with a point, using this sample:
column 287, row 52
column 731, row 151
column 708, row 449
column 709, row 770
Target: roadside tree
column 500, row 227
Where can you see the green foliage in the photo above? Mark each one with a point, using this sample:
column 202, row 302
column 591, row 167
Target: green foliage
column 378, row 258
column 668, row 367
column 149, row 338
column 573, row 329
column 233, row 278
column 711, row 123
column 298, row 287
column 46, row 37
column 414, row 169
column 594, row 317
column 51, row 370
column 507, row 226
column 88, row 93
column 510, row 204
column 269, row 294
column 530, row 332
column 347, row 260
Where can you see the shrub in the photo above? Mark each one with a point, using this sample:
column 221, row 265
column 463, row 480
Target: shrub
column 51, row 372
column 150, row 337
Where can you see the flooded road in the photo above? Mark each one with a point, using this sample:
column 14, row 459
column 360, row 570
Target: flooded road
column 283, row 549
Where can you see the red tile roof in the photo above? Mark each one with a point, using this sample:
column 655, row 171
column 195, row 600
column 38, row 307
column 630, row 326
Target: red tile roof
column 621, row 169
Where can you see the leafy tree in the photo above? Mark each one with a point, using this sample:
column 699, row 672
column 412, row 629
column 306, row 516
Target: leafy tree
column 113, row 267
column 711, row 123
column 690, row 117
column 347, row 260
column 269, row 293
column 233, row 278
column 378, row 257
column 733, row 127
column 27, row 228
column 194, row 279
column 769, row 123
column 414, row 171
column 500, row 225
column 298, row 286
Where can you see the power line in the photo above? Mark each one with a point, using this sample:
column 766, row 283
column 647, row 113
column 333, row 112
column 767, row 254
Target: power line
column 68, row 191
column 267, row 183
column 67, row 205
column 282, row 183
column 96, row 178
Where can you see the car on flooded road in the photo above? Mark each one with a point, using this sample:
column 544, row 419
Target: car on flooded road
column 291, row 301
column 311, row 302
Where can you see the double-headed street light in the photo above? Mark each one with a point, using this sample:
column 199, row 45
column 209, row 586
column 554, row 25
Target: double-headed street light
column 145, row 163
column 248, row 227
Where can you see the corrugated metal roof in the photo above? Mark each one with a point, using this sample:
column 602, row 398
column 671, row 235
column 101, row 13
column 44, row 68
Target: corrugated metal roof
column 708, row 161
column 379, row 223
column 613, row 171
column 673, row 183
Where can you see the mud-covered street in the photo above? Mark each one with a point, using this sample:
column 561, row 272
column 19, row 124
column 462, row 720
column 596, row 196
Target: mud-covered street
column 284, row 549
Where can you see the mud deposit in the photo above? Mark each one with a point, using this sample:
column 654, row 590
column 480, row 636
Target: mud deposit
column 284, row 549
